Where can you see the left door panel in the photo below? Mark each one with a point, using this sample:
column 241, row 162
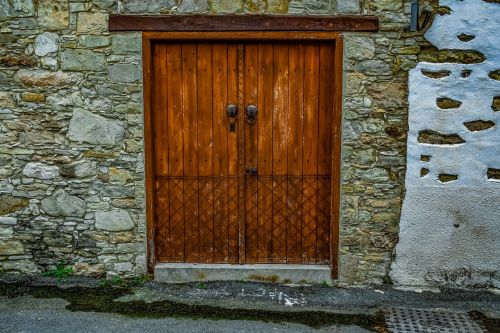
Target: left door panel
column 196, row 162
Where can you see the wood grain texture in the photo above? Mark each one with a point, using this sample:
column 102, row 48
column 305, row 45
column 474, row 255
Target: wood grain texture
column 205, row 209
column 243, row 23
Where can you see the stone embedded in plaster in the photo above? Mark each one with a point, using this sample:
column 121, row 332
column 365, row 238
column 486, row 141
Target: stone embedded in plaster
column 45, row 43
column 114, row 220
column 479, row 125
column 447, row 103
column 6, row 100
column 60, row 203
column 85, row 126
column 495, row 75
column 495, row 105
column 435, row 138
column 222, row 6
column 82, row 60
column 436, row 74
column 465, row 73
column 433, row 55
column 124, row 73
column 43, row 78
column 53, row 14
column 92, row 23
column 493, row 173
column 445, row 177
column 40, row 170
column 465, row 37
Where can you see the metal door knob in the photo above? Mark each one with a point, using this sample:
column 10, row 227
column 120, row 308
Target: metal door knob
column 252, row 113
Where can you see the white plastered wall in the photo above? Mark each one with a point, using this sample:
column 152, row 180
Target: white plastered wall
column 450, row 231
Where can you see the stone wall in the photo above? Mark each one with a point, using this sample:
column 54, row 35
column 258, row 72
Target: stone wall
column 71, row 134
column 450, row 223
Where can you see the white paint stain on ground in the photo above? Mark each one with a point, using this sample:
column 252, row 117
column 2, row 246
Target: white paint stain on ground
column 276, row 296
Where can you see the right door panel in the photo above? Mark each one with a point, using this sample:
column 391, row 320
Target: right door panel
column 287, row 152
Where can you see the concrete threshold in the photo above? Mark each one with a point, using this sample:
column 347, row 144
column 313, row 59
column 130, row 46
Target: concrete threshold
column 279, row 273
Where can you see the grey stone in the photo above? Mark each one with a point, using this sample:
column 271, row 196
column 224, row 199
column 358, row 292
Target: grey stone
column 141, row 6
column 80, row 169
column 10, row 204
column 6, row 232
column 374, row 67
column 82, row 60
column 18, row 8
column 40, row 170
column 6, row 220
column 53, row 14
column 360, row 48
column 43, row 78
column 126, row 43
column 11, row 247
column 193, row 6
column 124, row 73
column 104, row 3
column 7, row 38
column 61, row 203
column 114, row 220
column 348, row 6
column 92, row 41
column 46, row 43
column 24, row 266
column 85, row 126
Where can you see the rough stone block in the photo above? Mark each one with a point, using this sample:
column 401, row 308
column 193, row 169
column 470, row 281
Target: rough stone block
column 53, row 14
column 92, row 41
column 80, row 169
column 124, row 73
column 348, row 6
column 85, row 126
column 360, row 47
column 114, row 220
column 32, row 97
column 193, row 6
column 126, row 43
column 44, row 78
column 82, row 60
column 61, row 203
column 92, row 23
column 11, row 247
column 40, row 170
column 17, row 8
column 46, row 43
column 10, row 204
column 6, row 220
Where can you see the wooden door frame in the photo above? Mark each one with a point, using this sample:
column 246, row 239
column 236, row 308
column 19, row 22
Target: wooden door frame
column 148, row 38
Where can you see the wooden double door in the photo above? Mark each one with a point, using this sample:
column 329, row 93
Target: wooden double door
column 243, row 145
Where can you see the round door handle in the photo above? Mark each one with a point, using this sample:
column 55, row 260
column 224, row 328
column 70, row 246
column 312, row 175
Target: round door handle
column 252, row 113
column 251, row 171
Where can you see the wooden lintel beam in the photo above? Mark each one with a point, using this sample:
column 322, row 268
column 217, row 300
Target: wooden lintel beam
column 243, row 23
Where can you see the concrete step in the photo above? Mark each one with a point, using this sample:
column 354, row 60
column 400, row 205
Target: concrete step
column 279, row 273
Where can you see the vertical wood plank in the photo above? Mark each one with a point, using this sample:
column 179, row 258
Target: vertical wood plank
column 220, row 152
column 280, row 149
column 160, row 116
column 310, row 161
column 296, row 136
column 265, row 148
column 233, row 191
column 190, row 126
column 250, row 152
column 326, row 79
column 175, row 150
column 205, row 152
